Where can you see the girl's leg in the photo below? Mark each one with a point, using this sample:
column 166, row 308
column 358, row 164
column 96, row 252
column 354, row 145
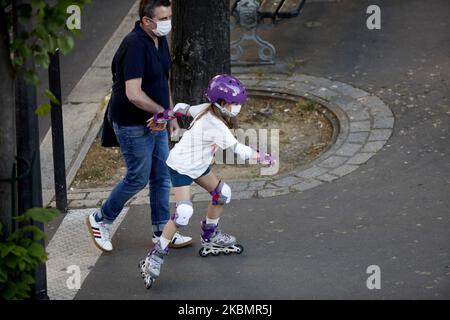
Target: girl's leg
column 181, row 194
column 151, row 266
column 209, row 182
column 212, row 238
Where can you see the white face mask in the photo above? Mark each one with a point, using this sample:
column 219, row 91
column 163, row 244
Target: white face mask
column 163, row 28
column 235, row 109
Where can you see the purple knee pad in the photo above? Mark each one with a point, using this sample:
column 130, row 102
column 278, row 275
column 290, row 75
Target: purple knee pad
column 221, row 194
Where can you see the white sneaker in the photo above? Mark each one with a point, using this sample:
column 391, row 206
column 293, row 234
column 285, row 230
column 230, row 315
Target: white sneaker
column 178, row 241
column 100, row 233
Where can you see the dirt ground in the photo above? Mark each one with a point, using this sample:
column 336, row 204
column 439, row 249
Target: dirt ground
column 304, row 133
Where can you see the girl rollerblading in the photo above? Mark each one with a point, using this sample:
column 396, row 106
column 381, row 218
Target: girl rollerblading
column 189, row 161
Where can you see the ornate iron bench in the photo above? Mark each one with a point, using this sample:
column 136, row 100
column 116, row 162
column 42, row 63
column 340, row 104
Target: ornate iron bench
column 250, row 15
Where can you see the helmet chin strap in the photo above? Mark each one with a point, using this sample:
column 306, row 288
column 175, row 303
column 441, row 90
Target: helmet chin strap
column 224, row 110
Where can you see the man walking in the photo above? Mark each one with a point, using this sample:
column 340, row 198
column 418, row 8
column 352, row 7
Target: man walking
column 140, row 71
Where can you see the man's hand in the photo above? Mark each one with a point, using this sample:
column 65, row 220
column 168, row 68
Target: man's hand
column 155, row 126
column 159, row 121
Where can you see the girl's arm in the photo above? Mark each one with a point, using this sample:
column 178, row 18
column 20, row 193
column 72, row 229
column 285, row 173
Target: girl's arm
column 247, row 153
column 182, row 108
column 188, row 110
column 225, row 139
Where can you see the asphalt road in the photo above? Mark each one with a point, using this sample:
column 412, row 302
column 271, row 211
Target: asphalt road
column 99, row 20
column 393, row 212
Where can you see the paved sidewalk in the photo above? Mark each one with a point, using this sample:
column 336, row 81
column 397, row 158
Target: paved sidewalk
column 68, row 249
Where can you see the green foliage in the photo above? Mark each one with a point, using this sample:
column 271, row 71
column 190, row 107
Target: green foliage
column 46, row 31
column 20, row 254
column 52, row 97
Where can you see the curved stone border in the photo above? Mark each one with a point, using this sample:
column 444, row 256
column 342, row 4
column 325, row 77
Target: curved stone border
column 365, row 124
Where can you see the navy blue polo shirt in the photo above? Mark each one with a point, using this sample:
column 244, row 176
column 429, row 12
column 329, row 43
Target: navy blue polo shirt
column 138, row 57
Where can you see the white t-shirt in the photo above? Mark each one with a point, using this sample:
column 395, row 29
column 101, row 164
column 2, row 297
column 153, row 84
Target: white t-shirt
column 193, row 154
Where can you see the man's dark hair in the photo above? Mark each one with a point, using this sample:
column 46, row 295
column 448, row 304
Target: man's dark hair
column 146, row 7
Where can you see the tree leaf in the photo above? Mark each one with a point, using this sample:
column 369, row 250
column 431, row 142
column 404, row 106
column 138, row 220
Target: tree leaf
column 43, row 110
column 29, row 260
column 11, row 261
column 5, row 249
column 20, row 218
column 38, row 234
column 24, row 13
column 21, row 265
column 42, row 59
column 31, row 77
column 22, row 289
column 66, row 44
column 49, row 44
column 42, row 214
column 53, row 28
column 38, row 3
column 52, row 97
column 18, row 61
column 19, row 251
column 28, row 279
column 22, row 50
column 3, row 276
column 40, row 31
column 10, row 291
column 36, row 250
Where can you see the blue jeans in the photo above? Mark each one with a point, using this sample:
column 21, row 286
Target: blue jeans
column 145, row 153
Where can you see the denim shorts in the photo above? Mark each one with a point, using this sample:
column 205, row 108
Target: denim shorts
column 182, row 180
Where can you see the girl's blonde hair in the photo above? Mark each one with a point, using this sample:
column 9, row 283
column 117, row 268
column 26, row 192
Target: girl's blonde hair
column 217, row 113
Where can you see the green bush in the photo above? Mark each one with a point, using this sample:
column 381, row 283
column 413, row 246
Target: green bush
column 20, row 254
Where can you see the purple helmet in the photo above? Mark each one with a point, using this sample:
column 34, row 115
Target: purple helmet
column 227, row 88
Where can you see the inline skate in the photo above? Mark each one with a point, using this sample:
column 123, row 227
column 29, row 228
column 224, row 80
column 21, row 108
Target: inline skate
column 151, row 267
column 215, row 241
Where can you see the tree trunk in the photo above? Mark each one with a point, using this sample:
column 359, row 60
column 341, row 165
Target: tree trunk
column 7, row 132
column 200, row 46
